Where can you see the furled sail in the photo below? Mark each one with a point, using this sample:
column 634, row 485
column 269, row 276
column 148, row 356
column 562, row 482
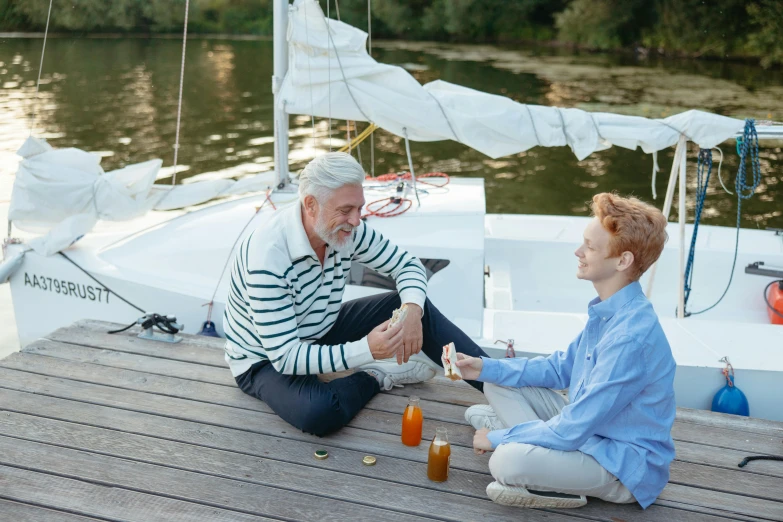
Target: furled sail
column 331, row 75
column 62, row 193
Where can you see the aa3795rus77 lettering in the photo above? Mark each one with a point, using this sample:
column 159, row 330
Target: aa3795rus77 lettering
column 69, row 288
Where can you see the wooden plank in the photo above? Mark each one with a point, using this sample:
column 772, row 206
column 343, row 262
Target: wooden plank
column 173, row 429
column 235, row 495
column 730, row 481
column 295, row 467
column 388, row 423
column 734, row 422
column 262, row 486
column 214, row 348
column 195, row 349
column 116, row 359
column 88, row 327
column 196, row 390
column 26, row 513
column 702, row 510
column 459, row 434
column 105, row 501
column 108, row 439
column 725, row 458
column 137, row 403
column 751, row 443
column 726, row 502
column 462, row 435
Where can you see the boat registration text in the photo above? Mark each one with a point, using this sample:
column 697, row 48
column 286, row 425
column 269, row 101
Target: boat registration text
column 69, row 288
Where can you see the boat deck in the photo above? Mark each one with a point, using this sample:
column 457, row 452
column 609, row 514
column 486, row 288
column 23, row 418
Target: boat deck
column 112, row 427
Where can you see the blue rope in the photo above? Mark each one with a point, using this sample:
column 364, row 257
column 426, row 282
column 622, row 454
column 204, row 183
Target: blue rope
column 748, row 144
column 702, row 181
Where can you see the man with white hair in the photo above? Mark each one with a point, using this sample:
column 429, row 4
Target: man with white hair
column 285, row 321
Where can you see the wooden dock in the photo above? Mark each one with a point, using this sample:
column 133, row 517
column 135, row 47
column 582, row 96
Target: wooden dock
column 112, row 427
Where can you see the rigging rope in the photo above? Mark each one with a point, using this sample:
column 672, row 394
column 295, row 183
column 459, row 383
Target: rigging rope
column 360, row 138
column 181, row 82
column 211, row 302
column 40, row 68
column 410, row 164
column 310, row 75
column 747, row 146
column 328, row 73
column 369, row 51
column 702, row 181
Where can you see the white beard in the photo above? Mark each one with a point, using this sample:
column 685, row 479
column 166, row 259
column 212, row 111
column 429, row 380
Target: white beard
column 332, row 237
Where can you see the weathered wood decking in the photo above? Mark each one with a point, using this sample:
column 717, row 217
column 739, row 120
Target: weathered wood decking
column 111, row 427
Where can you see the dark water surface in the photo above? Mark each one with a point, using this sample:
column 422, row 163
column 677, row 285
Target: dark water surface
column 118, row 97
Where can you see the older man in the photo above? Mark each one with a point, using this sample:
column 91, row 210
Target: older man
column 285, row 321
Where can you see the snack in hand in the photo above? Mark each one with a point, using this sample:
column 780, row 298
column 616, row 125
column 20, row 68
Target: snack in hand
column 398, row 315
column 449, row 360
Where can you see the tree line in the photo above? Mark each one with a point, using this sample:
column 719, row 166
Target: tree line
column 704, row 28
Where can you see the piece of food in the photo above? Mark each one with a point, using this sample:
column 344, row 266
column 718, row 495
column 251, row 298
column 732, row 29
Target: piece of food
column 449, row 360
column 398, row 315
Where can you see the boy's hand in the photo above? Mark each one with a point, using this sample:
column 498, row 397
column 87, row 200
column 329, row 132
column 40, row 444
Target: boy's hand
column 481, row 443
column 469, row 366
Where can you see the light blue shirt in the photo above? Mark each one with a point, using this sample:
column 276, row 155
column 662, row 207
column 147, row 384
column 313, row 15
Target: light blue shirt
column 619, row 372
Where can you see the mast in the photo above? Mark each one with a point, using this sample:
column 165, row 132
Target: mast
column 280, row 28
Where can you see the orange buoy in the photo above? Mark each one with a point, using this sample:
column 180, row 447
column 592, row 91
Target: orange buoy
column 774, row 296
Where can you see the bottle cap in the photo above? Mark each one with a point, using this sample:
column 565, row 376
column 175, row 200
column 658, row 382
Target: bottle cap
column 368, row 460
column 321, row 454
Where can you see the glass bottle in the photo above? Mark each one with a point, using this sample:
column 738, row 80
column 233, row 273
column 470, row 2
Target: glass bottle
column 439, row 457
column 411, row 423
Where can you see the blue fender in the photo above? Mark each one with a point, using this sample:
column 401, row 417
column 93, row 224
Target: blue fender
column 730, row 399
column 208, row 329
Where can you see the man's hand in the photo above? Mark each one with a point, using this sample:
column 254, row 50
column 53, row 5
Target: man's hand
column 469, row 366
column 481, row 443
column 385, row 343
column 412, row 337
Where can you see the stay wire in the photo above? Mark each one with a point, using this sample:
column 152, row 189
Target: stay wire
column 179, row 100
column 74, row 263
column 40, row 68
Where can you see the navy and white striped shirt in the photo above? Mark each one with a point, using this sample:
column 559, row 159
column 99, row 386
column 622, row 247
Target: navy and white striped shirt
column 281, row 299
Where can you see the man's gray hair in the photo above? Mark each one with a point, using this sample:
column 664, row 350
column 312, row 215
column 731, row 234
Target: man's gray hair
column 327, row 173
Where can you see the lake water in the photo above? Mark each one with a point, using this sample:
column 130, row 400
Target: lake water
column 118, row 98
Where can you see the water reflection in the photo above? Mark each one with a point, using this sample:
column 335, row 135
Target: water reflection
column 118, row 98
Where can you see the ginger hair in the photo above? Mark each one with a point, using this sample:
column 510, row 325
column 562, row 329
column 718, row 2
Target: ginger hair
column 635, row 226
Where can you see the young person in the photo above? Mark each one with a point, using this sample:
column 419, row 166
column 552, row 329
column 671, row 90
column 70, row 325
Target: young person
column 612, row 438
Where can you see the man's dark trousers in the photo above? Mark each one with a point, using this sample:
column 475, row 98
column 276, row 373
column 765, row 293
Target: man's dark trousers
column 321, row 408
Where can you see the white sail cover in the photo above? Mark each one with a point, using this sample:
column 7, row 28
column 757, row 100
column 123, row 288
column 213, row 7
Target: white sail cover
column 336, row 77
column 62, row 193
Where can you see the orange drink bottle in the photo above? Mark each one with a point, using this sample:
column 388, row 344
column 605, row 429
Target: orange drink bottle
column 439, row 457
column 411, row 423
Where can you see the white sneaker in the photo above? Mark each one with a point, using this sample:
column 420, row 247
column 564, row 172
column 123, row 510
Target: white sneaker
column 483, row 416
column 419, row 368
column 522, row 497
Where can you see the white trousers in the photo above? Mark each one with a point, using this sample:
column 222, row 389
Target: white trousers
column 543, row 469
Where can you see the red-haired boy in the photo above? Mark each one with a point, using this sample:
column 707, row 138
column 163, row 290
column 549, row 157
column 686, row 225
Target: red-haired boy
column 612, row 438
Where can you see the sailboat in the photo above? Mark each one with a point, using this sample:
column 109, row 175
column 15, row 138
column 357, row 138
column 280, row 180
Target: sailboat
column 115, row 246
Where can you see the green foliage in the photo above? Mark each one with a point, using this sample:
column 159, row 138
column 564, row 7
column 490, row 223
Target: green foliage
column 605, row 24
column 767, row 18
column 717, row 28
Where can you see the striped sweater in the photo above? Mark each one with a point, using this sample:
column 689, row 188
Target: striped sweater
column 281, row 299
